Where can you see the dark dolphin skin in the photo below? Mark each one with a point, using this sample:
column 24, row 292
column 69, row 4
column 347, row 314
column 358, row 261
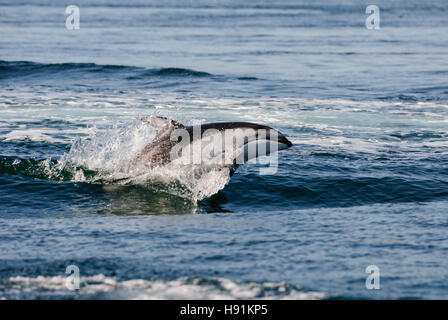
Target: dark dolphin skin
column 157, row 153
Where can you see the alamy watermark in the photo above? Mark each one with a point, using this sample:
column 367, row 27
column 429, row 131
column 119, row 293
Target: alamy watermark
column 72, row 21
column 72, row 282
column 373, row 20
column 373, row 278
column 229, row 147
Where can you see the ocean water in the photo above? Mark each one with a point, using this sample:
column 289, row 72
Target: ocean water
column 365, row 183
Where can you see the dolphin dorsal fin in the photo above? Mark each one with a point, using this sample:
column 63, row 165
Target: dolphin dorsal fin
column 161, row 122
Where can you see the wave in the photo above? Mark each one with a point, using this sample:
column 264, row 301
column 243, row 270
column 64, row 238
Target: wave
column 103, row 287
column 47, row 169
column 14, row 69
column 168, row 72
column 24, row 68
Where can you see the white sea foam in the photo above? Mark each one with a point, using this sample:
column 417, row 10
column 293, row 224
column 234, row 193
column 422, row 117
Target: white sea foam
column 182, row 288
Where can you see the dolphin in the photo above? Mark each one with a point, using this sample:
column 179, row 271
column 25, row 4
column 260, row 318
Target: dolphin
column 247, row 139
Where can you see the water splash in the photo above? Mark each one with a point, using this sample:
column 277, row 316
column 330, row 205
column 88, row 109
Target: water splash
column 105, row 157
column 109, row 153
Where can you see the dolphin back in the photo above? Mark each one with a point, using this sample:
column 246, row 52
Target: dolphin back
column 158, row 151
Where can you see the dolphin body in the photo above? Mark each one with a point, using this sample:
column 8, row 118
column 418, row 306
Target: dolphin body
column 160, row 151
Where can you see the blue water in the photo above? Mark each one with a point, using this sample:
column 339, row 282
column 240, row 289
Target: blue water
column 365, row 183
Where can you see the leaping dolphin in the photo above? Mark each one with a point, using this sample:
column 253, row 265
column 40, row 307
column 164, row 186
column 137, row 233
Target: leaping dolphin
column 247, row 141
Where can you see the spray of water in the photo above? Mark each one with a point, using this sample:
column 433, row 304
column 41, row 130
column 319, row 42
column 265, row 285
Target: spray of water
column 105, row 156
